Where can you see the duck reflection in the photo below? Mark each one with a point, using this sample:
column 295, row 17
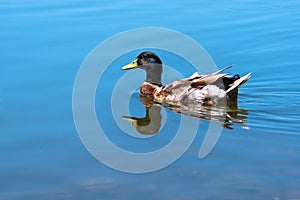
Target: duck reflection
column 151, row 123
column 228, row 113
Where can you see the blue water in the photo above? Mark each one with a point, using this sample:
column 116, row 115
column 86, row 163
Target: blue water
column 43, row 45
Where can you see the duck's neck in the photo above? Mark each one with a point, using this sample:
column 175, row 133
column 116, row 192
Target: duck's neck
column 154, row 75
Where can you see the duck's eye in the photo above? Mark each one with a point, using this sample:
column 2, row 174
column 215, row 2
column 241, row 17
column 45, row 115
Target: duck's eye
column 152, row 60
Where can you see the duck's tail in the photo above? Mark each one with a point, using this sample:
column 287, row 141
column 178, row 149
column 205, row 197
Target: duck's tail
column 238, row 83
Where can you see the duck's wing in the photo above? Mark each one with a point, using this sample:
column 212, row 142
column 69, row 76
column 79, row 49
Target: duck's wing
column 178, row 85
column 172, row 92
column 196, row 75
column 194, row 81
column 206, row 80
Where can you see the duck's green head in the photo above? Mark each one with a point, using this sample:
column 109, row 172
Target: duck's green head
column 149, row 62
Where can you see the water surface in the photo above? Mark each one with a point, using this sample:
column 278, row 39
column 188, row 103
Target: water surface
column 43, row 45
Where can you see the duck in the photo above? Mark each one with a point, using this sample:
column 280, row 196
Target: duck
column 198, row 89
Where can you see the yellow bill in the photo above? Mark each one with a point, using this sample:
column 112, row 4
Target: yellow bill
column 131, row 65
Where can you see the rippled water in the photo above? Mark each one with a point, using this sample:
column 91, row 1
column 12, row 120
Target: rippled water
column 43, row 45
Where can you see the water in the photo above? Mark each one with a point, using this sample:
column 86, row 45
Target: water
column 43, row 45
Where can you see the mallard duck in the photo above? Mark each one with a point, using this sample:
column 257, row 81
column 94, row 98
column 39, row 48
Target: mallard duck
column 197, row 89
